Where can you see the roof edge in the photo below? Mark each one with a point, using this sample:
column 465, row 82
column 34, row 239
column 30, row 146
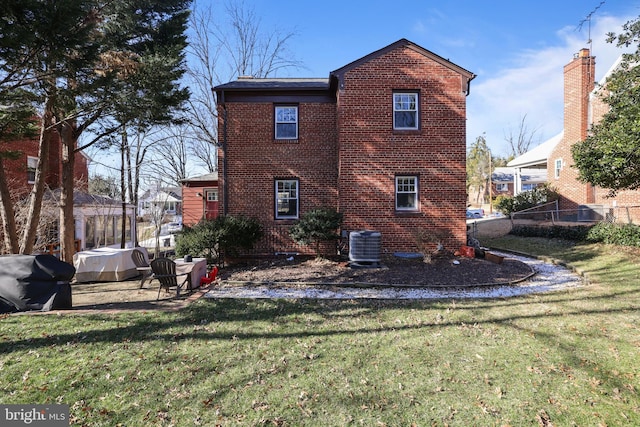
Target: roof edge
column 404, row 43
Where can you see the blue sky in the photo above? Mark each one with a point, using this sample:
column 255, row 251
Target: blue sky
column 516, row 48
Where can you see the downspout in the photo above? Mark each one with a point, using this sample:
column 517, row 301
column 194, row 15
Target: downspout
column 225, row 188
column 468, row 91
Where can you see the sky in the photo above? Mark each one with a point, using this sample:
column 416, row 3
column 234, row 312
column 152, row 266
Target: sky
column 516, row 48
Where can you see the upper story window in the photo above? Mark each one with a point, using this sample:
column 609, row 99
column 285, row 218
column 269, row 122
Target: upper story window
column 558, row 168
column 286, row 122
column 286, row 198
column 406, row 193
column 405, row 110
column 32, row 165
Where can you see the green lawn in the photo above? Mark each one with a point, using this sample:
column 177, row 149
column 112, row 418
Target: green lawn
column 567, row 358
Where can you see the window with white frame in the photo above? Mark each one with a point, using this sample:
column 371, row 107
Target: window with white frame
column 32, row 165
column 558, row 168
column 502, row 187
column 405, row 110
column 406, row 193
column 528, row 187
column 286, row 200
column 286, row 122
column 212, row 195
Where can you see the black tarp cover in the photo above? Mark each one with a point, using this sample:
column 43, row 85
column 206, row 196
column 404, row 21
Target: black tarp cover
column 34, row 282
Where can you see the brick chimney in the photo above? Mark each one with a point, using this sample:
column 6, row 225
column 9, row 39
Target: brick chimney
column 579, row 81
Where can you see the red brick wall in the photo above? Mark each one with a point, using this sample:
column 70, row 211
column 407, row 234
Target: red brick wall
column 372, row 154
column 347, row 155
column 255, row 159
column 16, row 170
column 579, row 81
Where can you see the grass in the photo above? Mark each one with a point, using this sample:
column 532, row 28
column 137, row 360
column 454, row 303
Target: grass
column 566, row 358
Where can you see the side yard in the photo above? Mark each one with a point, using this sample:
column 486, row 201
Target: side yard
column 564, row 358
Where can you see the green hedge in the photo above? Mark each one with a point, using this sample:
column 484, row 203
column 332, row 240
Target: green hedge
column 575, row 233
column 604, row 232
column 615, row 234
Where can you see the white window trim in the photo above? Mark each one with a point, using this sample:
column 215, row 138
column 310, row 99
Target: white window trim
column 276, row 122
column 416, row 110
column 502, row 187
column 212, row 195
column 557, row 168
column 277, row 198
column 415, row 193
column 31, row 159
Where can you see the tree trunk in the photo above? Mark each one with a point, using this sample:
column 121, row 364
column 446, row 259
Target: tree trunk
column 67, row 223
column 123, row 188
column 37, row 192
column 9, row 230
column 132, row 198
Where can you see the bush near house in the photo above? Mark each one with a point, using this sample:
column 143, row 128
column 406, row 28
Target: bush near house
column 317, row 226
column 575, row 233
column 615, row 234
column 526, row 199
column 603, row 232
column 219, row 237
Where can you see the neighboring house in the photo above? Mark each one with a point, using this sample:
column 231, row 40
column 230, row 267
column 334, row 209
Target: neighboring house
column 382, row 140
column 533, row 160
column 199, row 198
column 503, row 180
column 162, row 201
column 21, row 172
column 503, row 183
column 583, row 108
column 89, row 213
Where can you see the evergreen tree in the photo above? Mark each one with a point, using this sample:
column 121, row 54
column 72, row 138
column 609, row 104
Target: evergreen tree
column 94, row 64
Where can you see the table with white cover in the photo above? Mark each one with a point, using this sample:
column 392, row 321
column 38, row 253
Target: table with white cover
column 105, row 265
column 197, row 267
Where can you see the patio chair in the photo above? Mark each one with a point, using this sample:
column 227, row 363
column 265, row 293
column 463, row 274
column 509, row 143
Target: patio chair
column 142, row 265
column 164, row 269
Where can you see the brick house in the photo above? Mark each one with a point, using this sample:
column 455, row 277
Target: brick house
column 98, row 220
column 583, row 107
column 20, row 173
column 382, row 140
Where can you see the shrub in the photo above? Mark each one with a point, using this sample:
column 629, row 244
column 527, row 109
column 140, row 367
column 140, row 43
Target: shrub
column 615, row 234
column 219, row 237
column 504, row 204
column 527, row 199
column 317, row 226
column 575, row 233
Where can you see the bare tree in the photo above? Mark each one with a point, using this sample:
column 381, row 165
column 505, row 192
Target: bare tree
column 169, row 155
column 222, row 51
column 520, row 140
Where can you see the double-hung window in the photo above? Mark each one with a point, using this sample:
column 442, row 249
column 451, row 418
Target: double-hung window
column 558, row 168
column 405, row 111
column 407, row 193
column 287, row 197
column 286, row 122
column 32, row 165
